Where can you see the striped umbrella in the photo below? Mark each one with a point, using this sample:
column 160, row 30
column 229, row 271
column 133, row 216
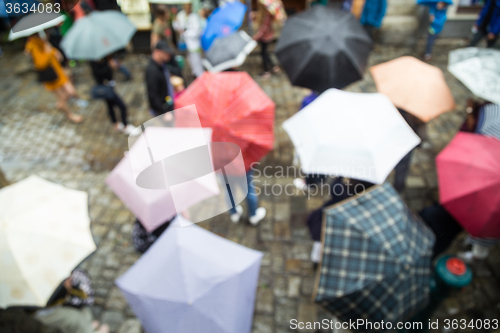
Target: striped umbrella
column 489, row 121
column 376, row 262
column 237, row 110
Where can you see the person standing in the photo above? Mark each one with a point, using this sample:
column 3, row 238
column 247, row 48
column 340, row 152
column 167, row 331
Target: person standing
column 161, row 27
column 103, row 75
column 264, row 36
column 488, row 24
column 437, row 18
column 188, row 24
column 160, row 90
column 46, row 60
column 372, row 16
column 255, row 213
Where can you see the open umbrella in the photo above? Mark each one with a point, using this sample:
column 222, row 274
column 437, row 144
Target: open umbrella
column 44, row 235
column 237, row 110
column 479, row 70
column 414, row 86
column 33, row 23
column 222, row 22
column 376, row 262
column 191, row 280
column 354, row 135
column 469, row 183
column 152, row 198
column 229, row 52
column 489, row 122
column 97, row 35
column 323, row 48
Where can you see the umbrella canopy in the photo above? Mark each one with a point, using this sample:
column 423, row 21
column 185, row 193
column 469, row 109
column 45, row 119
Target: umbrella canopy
column 191, row 280
column 354, row 135
column 323, row 48
column 33, row 23
column 150, row 198
column 97, row 35
column 222, row 22
column 414, row 86
column 44, row 235
column 237, row 110
column 229, row 52
column 479, row 70
column 469, row 183
column 376, row 261
column 276, row 8
column 489, row 122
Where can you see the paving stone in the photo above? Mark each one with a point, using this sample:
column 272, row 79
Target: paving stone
column 263, row 324
column 294, row 286
column 113, row 318
column 115, row 300
column 307, row 313
column 280, row 286
column 265, row 301
column 130, row 326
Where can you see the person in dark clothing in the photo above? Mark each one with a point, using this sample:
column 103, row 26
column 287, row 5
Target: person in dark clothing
column 341, row 189
column 488, row 24
column 443, row 225
column 103, row 75
column 402, row 168
column 142, row 240
column 158, row 71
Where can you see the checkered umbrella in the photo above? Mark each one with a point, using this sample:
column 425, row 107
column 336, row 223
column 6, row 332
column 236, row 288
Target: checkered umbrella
column 376, row 262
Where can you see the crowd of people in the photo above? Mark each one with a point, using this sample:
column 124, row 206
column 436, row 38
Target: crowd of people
column 174, row 33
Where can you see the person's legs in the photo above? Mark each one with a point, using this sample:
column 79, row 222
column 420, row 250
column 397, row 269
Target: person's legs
column 402, row 169
column 195, row 62
column 62, row 104
column 111, row 112
column 431, row 39
column 491, row 42
column 252, row 199
column 67, row 319
column 481, row 32
column 266, row 61
column 123, row 109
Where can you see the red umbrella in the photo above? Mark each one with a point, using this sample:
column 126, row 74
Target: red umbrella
column 469, row 183
column 237, row 110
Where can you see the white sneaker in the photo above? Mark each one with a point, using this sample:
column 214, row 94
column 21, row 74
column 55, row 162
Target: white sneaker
column 129, row 129
column 300, row 184
column 119, row 127
column 235, row 218
column 260, row 213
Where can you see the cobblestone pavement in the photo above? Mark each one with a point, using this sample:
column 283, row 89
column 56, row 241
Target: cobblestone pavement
column 36, row 139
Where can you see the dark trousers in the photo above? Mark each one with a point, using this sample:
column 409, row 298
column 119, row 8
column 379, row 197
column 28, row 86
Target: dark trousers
column 482, row 32
column 402, row 169
column 267, row 62
column 116, row 101
column 431, row 39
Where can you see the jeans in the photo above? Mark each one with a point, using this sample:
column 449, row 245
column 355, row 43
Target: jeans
column 402, row 169
column 267, row 62
column 431, row 39
column 117, row 101
column 482, row 32
column 252, row 200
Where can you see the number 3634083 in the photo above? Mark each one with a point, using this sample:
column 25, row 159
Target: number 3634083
column 24, row 8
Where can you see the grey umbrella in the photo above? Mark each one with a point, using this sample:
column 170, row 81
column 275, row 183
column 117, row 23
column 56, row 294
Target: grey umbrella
column 229, row 52
column 323, row 48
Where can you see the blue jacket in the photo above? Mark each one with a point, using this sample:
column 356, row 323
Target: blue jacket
column 494, row 26
column 374, row 12
column 439, row 18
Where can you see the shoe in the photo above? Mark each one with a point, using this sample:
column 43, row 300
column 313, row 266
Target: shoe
column 427, row 57
column 76, row 118
column 265, row 76
column 260, row 213
column 467, row 256
column 118, row 127
column 300, row 184
column 130, row 130
column 235, row 218
column 276, row 70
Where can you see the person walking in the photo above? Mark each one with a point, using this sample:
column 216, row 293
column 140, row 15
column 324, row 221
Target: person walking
column 437, row 18
column 488, row 24
column 188, row 24
column 103, row 75
column 255, row 213
column 160, row 90
column 161, row 27
column 264, row 36
column 372, row 15
column 46, row 61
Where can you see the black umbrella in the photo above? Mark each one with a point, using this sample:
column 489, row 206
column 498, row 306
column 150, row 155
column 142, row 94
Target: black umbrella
column 323, row 48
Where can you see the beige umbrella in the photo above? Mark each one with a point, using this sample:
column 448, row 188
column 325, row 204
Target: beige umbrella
column 44, row 234
column 414, row 86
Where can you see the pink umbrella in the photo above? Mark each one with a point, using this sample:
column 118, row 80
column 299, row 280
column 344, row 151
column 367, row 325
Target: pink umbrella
column 469, row 183
column 150, row 179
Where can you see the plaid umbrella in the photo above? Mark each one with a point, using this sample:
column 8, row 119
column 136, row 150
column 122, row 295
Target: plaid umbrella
column 275, row 7
column 376, row 261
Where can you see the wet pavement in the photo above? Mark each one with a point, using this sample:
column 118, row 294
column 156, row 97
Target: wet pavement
column 37, row 139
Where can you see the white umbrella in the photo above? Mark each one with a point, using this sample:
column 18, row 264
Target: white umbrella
column 97, row 35
column 191, row 280
column 33, row 23
column 353, row 135
column 479, row 70
column 44, row 235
